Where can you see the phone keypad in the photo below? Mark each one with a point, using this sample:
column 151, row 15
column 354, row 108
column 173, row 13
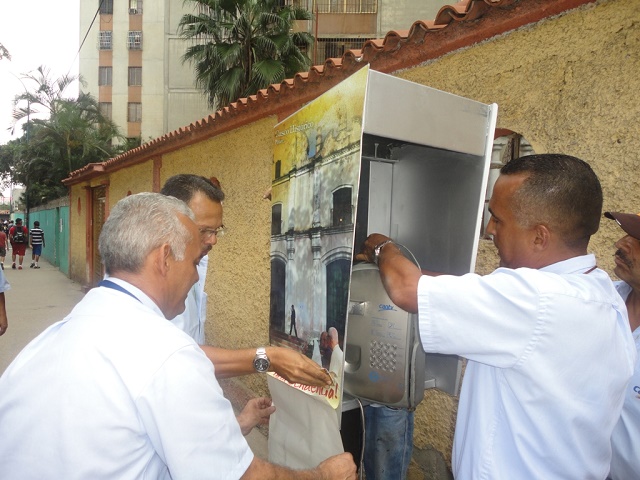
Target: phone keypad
column 382, row 356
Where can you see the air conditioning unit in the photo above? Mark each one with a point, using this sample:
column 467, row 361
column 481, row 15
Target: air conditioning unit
column 133, row 11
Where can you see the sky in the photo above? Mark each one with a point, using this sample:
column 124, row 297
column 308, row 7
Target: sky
column 36, row 32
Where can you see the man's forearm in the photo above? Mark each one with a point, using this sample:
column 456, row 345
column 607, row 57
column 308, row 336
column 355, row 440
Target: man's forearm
column 230, row 363
column 289, row 364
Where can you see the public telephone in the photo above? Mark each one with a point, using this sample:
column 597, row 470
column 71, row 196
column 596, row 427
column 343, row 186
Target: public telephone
column 384, row 359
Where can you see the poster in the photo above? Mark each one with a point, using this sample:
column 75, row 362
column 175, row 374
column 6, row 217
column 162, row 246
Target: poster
column 314, row 192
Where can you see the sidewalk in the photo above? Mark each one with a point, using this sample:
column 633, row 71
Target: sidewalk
column 39, row 298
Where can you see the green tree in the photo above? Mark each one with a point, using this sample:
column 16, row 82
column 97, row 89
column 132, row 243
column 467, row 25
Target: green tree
column 61, row 135
column 242, row 46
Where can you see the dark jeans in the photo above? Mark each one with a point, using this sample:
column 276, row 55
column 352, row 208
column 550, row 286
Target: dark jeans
column 388, row 443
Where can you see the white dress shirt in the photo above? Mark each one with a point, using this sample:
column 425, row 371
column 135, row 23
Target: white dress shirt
column 116, row 391
column 550, row 353
column 192, row 320
column 625, row 441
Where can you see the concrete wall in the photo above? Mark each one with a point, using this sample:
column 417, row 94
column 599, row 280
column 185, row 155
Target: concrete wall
column 54, row 222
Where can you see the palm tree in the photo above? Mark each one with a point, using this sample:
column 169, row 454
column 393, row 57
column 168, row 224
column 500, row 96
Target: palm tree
column 242, row 46
column 70, row 134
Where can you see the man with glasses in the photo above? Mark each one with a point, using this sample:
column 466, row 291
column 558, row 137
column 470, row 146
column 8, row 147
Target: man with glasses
column 204, row 196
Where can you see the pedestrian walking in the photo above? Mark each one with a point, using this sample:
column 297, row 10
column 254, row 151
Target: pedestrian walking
column 36, row 237
column 3, row 247
column 18, row 237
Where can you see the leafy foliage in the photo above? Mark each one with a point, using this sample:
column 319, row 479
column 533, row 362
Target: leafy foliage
column 72, row 133
column 242, row 46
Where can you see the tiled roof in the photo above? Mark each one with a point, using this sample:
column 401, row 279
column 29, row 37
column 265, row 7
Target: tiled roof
column 455, row 26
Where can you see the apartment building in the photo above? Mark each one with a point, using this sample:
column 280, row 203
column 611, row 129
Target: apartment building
column 341, row 25
column 131, row 62
column 131, row 55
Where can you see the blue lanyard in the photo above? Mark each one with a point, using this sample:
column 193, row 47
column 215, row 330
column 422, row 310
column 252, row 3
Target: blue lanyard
column 115, row 286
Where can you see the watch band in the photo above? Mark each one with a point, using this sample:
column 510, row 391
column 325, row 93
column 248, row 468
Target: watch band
column 261, row 362
column 377, row 250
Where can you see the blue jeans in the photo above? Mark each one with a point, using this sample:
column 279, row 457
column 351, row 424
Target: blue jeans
column 388, row 442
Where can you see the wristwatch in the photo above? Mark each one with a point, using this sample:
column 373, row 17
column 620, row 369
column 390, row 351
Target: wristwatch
column 261, row 362
column 378, row 248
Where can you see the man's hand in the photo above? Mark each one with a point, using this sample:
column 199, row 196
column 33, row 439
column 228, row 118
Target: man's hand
column 297, row 368
column 340, row 466
column 366, row 251
column 256, row 412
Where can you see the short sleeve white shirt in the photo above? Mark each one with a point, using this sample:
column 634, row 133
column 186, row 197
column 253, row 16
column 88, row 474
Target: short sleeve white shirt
column 625, row 441
column 192, row 320
column 549, row 354
column 4, row 284
column 116, row 391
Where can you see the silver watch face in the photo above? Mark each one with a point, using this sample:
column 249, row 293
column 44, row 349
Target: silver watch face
column 261, row 364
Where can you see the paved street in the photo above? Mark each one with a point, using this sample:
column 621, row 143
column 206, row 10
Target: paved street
column 39, row 298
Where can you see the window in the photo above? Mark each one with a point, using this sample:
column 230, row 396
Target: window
column 105, row 109
column 335, row 47
column 134, row 112
column 135, row 7
column 347, row 6
column 106, row 7
column 278, row 169
column 276, row 219
column 105, row 75
column 135, row 76
column 342, row 209
column 105, row 40
column 134, row 40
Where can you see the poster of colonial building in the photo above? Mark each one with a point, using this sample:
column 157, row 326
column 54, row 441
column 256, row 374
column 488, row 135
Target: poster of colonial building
column 314, row 196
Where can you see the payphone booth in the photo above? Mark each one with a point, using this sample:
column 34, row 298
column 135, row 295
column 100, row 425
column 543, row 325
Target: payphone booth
column 424, row 169
column 374, row 154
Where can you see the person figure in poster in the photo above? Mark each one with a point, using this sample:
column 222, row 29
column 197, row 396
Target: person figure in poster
column 546, row 335
column 325, row 350
column 337, row 356
column 292, row 324
column 625, row 462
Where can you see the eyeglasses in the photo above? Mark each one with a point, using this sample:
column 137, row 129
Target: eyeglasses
column 207, row 233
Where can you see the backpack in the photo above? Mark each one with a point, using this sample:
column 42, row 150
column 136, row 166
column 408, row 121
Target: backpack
column 19, row 236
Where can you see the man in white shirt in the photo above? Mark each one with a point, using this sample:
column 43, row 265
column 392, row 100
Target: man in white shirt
column 205, row 197
column 115, row 390
column 546, row 335
column 625, row 463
